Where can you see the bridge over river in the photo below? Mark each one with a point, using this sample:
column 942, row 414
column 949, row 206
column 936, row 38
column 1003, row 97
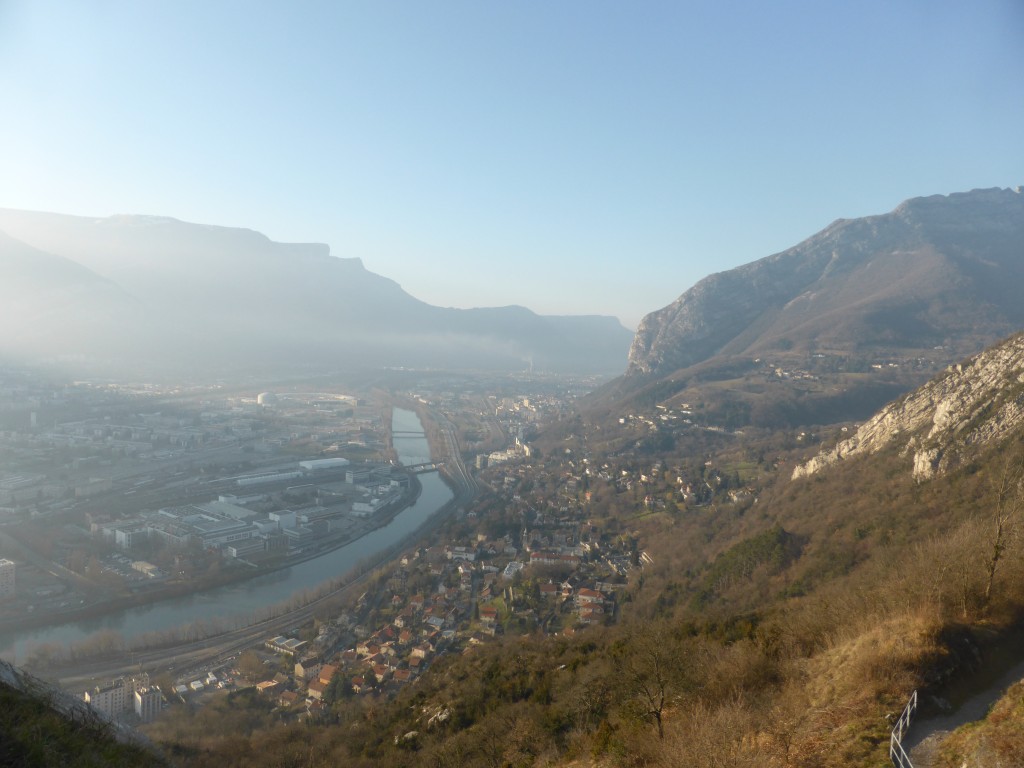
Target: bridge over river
column 418, row 469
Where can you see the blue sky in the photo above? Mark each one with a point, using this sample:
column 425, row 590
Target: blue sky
column 573, row 157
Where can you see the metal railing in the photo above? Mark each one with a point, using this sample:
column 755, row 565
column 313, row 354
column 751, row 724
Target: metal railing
column 899, row 757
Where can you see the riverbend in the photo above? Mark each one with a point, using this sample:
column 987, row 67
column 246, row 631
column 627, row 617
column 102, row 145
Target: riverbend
column 238, row 605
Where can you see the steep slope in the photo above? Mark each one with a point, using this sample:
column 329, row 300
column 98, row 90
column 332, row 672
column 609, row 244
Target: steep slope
column 948, row 420
column 231, row 295
column 937, row 271
column 43, row 726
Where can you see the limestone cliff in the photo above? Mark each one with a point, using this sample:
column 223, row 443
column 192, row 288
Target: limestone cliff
column 943, row 424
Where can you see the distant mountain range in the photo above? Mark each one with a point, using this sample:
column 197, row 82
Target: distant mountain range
column 152, row 291
column 935, row 280
column 939, row 277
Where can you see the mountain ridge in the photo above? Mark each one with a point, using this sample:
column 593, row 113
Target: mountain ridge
column 221, row 296
column 866, row 277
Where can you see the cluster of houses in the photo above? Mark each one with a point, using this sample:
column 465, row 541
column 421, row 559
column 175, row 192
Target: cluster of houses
column 392, row 656
column 477, row 588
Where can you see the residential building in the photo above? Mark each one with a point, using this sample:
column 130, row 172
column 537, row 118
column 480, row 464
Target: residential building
column 148, row 701
column 116, row 698
column 109, row 700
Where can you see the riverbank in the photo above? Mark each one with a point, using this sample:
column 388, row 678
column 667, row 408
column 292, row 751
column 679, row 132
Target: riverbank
column 84, row 671
column 211, row 613
column 171, row 591
column 326, row 597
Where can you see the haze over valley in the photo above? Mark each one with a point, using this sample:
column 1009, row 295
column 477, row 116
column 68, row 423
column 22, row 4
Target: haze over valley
column 238, row 533
column 143, row 294
column 525, row 385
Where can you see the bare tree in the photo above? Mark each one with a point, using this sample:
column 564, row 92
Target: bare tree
column 591, row 700
column 1009, row 490
column 453, row 752
column 651, row 663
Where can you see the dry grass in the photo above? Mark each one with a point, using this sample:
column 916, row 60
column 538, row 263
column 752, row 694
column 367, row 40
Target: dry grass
column 834, row 712
column 872, row 660
column 998, row 740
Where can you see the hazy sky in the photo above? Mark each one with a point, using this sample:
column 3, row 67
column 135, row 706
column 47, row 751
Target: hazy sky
column 572, row 157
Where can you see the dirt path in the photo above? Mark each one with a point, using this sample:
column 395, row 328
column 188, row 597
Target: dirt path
column 926, row 734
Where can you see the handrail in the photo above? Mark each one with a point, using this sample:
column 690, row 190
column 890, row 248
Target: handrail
column 899, row 757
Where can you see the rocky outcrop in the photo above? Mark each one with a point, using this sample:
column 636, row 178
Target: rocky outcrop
column 932, row 272
column 945, row 422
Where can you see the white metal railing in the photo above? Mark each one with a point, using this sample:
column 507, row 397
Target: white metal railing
column 899, row 757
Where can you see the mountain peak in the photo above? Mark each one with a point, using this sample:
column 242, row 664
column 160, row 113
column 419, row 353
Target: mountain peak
column 933, row 271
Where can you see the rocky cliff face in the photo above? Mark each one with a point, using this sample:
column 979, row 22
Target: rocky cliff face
column 932, row 272
column 945, row 422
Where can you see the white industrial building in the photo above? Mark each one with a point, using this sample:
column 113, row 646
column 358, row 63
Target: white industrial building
column 285, row 519
column 314, row 465
column 190, row 524
column 366, row 508
column 356, row 476
column 246, row 548
column 268, row 477
column 127, row 536
column 224, row 508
